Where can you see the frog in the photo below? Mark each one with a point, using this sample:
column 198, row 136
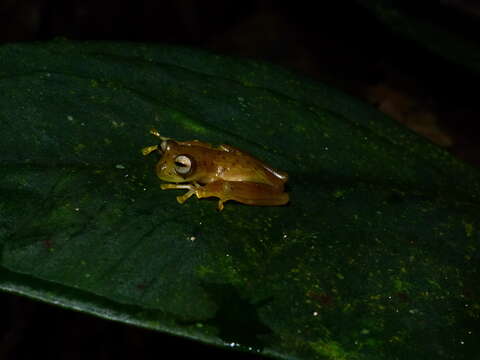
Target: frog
column 222, row 171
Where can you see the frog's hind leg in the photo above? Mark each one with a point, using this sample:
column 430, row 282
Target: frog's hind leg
column 220, row 204
column 249, row 193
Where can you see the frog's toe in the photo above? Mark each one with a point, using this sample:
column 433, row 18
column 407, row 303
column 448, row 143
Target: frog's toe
column 181, row 199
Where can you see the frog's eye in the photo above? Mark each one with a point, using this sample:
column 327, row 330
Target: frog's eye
column 184, row 165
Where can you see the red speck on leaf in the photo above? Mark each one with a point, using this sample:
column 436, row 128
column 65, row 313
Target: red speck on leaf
column 48, row 244
column 323, row 299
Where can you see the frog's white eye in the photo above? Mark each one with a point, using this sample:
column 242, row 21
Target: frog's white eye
column 184, row 165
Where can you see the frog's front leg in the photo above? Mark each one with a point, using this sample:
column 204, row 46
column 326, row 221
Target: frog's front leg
column 192, row 188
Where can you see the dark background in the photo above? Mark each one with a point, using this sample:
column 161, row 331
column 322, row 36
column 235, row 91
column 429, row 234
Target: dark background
column 337, row 42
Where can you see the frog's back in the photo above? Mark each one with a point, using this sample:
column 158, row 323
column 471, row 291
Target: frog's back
column 228, row 163
column 240, row 166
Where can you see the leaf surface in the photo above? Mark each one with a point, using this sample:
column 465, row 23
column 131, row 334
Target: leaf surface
column 375, row 257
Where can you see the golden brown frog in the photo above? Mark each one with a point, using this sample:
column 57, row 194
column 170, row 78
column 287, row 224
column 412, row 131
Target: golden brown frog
column 224, row 172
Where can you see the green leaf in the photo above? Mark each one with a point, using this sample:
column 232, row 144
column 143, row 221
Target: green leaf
column 375, row 257
column 428, row 34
